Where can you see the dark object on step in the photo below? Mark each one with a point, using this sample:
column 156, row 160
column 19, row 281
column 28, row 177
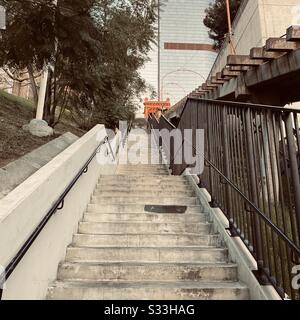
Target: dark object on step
column 165, row 209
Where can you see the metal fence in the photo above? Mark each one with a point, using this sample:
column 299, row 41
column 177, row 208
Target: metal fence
column 252, row 172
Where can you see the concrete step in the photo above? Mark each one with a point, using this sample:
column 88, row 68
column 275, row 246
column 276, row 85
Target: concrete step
column 131, row 208
column 141, row 150
column 148, row 291
column 146, row 185
column 142, row 168
column 144, row 159
column 142, row 227
column 146, row 200
column 132, row 188
column 145, row 193
column 136, row 254
column 145, row 240
column 148, row 174
column 144, row 217
column 147, row 272
column 143, row 179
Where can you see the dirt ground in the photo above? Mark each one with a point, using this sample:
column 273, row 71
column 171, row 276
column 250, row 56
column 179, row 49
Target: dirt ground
column 14, row 142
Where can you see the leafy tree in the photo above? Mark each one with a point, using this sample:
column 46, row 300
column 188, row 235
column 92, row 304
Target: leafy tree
column 94, row 48
column 216, row 19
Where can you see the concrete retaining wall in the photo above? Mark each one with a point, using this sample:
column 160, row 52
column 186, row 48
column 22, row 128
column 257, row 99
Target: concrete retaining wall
column 23, row 209
column 18, row 171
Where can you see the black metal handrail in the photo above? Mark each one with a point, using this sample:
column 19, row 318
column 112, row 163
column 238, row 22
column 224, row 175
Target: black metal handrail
column 58, row 205
column 252, row 171
column 254, row 207
column 127, row 133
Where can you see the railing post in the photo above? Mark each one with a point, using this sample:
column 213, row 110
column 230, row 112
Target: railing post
column 225, row 148
column 257, row 243
column 295, row 174
column 213, row 203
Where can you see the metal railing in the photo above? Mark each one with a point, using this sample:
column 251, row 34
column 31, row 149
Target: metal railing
column 252, row 171
column 58, row 205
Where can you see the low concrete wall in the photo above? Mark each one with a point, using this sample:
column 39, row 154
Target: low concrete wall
column 18, row 171
column 23, row 209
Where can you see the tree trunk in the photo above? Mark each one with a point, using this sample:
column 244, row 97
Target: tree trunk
column 33, row 86
column 47, row 106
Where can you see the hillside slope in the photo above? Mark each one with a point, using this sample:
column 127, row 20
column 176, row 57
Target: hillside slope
column 14, row 142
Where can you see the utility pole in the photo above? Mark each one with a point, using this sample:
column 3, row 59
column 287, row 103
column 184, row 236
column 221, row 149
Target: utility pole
column 158, row 56
column 43, row 89
column 230, row 26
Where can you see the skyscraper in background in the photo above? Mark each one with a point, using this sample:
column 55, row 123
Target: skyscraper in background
column 186, row 52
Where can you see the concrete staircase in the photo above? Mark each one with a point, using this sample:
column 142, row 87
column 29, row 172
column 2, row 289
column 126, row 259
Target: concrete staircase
column 123, row 252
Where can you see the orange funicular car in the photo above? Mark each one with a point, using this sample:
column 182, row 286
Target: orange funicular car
column 156, row 108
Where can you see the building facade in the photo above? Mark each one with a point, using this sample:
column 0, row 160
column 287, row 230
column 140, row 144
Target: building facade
column 256, row 21
column 185, row 55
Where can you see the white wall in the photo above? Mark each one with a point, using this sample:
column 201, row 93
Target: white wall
column 23, row 209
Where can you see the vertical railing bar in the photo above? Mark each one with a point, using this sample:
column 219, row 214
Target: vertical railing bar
column 281, row 197
column 215, row 152
column 279, row 200
column 256, row 223
column 245, row 168
column 263, row 160
column 294, row 168
column 235, row 167
column 285, row 158
column 254, row 180
column 270, row 262
column 297, row 134
column 224, row 131
column 227, row 124
column 210, row 152
column 277, row 244
column 232, row 160
column 241, row 182
column 286, row 268
column 219, row 152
